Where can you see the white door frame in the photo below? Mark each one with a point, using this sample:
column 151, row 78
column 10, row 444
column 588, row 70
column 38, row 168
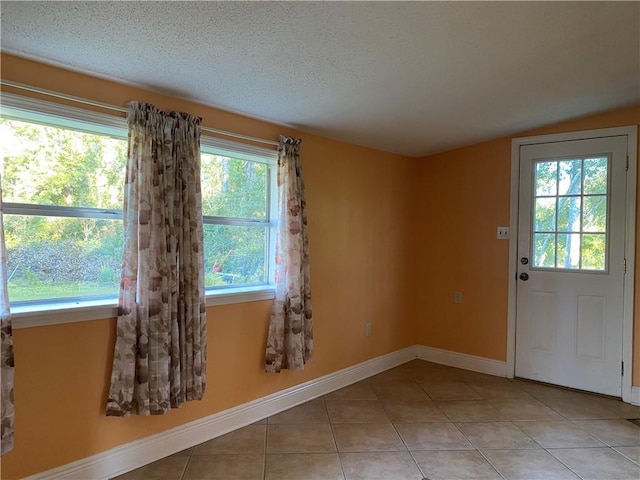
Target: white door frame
column 630, row 235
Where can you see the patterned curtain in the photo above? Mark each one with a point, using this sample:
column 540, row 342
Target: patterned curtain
column 7, row 349
column 290, row 340
column 161, row 343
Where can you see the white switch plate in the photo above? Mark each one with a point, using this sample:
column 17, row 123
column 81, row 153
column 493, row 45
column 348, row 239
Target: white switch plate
column 503, row 233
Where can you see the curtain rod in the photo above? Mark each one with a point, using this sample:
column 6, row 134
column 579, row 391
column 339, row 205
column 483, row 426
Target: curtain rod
column 116, row 108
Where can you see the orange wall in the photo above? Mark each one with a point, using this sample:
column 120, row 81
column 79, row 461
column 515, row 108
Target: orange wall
column 359, row 207
column 462, row 196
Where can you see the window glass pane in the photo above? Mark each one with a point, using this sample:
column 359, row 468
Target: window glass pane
column 593, row 251
column 234, row 255
column 53, row 257
column 544, row 253
column 57, row 166
column 568, row 250
column 569, row 214
column 233, row 187
column 595, row 175
column 546, row 178
column 545, row 215
column 569, row 177
column 595, row 214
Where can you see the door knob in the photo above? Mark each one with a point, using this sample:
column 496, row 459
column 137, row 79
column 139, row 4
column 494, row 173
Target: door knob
column 524, row 276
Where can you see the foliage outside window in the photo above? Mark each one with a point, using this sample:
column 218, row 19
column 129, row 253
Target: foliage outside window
column 63, row 194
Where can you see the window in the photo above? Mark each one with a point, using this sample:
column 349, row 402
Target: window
column 62, row 180
column 570, row 214
column 237, row 211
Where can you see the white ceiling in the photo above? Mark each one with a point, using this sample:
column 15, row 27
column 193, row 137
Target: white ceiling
column 406, row 77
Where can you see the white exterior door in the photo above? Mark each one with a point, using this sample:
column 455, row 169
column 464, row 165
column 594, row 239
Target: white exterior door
column 571, row 266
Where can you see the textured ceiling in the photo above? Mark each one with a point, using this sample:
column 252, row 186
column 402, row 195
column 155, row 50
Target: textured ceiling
column 406, row 77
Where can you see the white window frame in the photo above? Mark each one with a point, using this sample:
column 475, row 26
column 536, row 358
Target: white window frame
column 41, row 313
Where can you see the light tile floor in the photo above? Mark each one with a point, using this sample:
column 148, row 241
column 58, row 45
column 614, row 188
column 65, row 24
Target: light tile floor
column 425, row 420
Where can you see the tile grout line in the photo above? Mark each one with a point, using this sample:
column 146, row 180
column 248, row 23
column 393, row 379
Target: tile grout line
column 525, row 433
column 636, row 461
column 186, row 465
column 424, row 475
column 573, row 422
column 492, row 465
column 264, row 448
column 408, row 450
column 333, row 437
column 565, row 465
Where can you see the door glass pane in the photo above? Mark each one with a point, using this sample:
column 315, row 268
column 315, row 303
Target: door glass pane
column 595, row 175
column 568, row 250
column 544, row 250
column 570, row 177
column 569, row 221
column 569, row 214
column 546, row 178
column 594, row 251
column 545, row 215
column 595, row 214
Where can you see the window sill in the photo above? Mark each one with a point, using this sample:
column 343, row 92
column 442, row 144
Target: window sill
column 27, row 316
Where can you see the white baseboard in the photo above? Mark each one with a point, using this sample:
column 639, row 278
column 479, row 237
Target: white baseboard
column 462, row 360
column 135, row 454
column 635, row 396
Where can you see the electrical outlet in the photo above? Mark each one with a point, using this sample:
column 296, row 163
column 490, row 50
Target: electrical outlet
column 367, row 329
column 457, row 297
column 503, row 233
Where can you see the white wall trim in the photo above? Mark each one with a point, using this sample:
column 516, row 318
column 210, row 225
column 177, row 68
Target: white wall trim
column 630, row 229
column 635, row 396
column 462, row 360
column 141, row 452
column 55, row 313
column 45, row 314
column 630, row 252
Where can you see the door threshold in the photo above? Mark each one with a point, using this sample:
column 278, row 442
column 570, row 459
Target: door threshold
column 569, row 389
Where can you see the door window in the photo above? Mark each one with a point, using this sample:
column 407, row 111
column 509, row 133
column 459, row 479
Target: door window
column 570, row 213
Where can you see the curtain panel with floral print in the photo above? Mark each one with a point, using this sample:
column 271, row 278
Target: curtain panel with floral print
column 161, row 344
column 6, row 370
column 290, row 338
